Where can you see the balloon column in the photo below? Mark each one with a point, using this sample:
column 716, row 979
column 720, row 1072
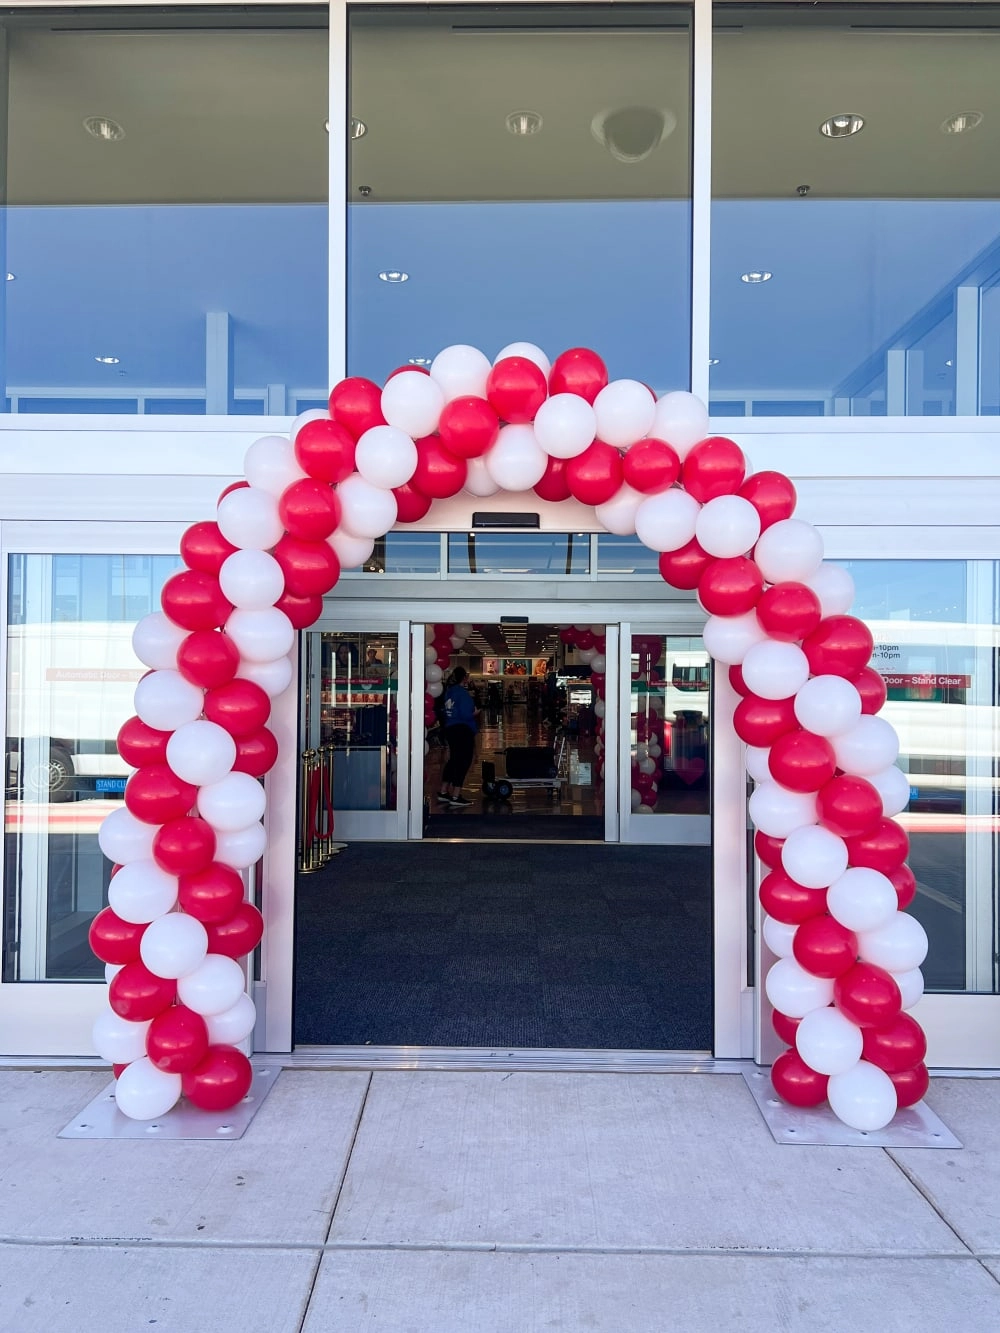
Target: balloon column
column 441, row 642
column 823, row 761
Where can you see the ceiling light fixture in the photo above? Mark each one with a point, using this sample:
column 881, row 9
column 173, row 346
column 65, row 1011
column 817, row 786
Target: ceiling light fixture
column 523, row 124
column 393, row 275
column 631, row 133
column 358, row 128
column 713, row 360
column 842, row 126
column 963, row 121
column 108, row 360
column 421, row 361
column 102, row 127
column 756, row 276
column 11, row 277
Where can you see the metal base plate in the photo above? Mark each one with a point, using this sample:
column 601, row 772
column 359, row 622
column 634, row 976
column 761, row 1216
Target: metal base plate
column 913, row 1127
column 101, row 1118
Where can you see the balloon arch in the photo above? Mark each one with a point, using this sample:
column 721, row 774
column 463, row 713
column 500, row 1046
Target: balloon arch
column 823, row 762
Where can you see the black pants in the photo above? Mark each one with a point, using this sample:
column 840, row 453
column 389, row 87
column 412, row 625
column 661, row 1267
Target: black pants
column 461, row 740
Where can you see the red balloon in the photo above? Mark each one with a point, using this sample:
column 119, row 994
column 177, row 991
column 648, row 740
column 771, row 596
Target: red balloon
column 439, row 473
column 885, row 848
column 578, row 371
column 905, row 883
column 911, row 1085
column 872, row 688
column 212, row 894
column 137, row 994
column 208, row 658
column 177, row 1040
column 140, row 745
column 113, row 940
column 411, row 504
column 867, row 995
column 737, row 681
column 309, row 509
column 355, row 404
column 768, row 849
column 468, row 426
column 219, row 1081
column 730, row 587
column 118, row 1070
column 802, row 761
column 897, row 1047
column 310, row 567
column 516, row 389
column 784, row 1026
column 789, row 902
column 839, row 646
column 203, row 547
column 796, row 1083
column 554, row 485
column 824, row 947
column 241, row 707
column 406, row 370
column 239, row 935
column 714, row 467
column 156, row 794
column 195, row 600
column 789, row 611
column 761, row 721
column 684, row 567
column 651, row 466
column 595, row 475
column 567, row 635
column 771, row 494
column 848, row 806
column 325, row 450
column 256, row 754
column 183, row 846
column 301, row 611
column 233, row 486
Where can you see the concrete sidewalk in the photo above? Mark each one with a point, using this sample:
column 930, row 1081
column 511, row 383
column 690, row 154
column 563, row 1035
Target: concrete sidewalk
column 494, row 1203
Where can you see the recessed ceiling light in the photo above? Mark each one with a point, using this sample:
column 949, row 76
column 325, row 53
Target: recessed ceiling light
column 101, row 127
column 523, row 123
column 949, row 363
column 964, row 120
column 420, row 360
column 713, row 360
column 358, row 128
column 394, row 275
column 755, row 276
column 842, row 125
column 11, row 277
column 108, row 360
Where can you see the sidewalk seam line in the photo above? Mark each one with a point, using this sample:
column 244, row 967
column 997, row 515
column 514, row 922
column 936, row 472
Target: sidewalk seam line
column 347, row 1158
column 926, row 1195
column 309, row 1294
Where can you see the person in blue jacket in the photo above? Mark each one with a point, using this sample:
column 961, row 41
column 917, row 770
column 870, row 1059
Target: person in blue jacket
column 460, row 732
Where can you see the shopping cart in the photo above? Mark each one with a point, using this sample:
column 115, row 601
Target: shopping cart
column 525, row 766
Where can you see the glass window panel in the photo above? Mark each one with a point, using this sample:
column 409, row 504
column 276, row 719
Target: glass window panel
column 525, row 174
column 174, row 248
column 621, row 556
column 404, row 553
column 854, row 273
column 669, row 728
column 359, row 716
column 520, row 554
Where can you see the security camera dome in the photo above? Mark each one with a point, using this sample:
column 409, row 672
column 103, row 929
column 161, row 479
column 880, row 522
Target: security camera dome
column 631, row 133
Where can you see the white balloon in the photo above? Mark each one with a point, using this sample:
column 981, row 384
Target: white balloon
column 779, row 936
column 813, row 856
column 144, row 1092
column 794, row 991
column 893, row 786
column 600, row 708
column 352, row 552
column 465, row 630
column 412, row 402
column 586, row 655
column 647, row 766
column 461, row 371
column 617, row 515
column 599, row 663
column 251, row 580
column 777, row 812
column 727, row 526
column 636, row 799
column 666, row 521
column 174, row 945
column 435, row 689
column 478, row 481
column 729, row 638
column 530, row 353
column 430, row 633
column 270, row 464
column 862, row 899
column 201, row 752
column 517, row 461
column 911, row 986
column 430, row 654
column 232, row 1025
column 123, row 838
column 165, row 700
column 899, row 945
column 117, row 1040
column 433, row 672
column 790, row 549
column 235, row 802
column 654, row 751
column 641, row 751
column 248, row 517
column 304, row 418
column 456, row 640
column 367, row 510
column 273, row 677
column 261, row 636
column 834, row 587
column 869, row 747
column 828, row 1042
column 863, row 1097
column 155, row 641
column 141, row 892
column 213, row 987
column 756, row 762
column 240, row 848
column 681, row 419
column 565, row 425
column 625, row 410
column 828, row 706
column 386, row 457
column 775, row 670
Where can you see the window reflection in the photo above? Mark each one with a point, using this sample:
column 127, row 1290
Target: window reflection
column 518, row 554
column 359, row 716
column 669, row 727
